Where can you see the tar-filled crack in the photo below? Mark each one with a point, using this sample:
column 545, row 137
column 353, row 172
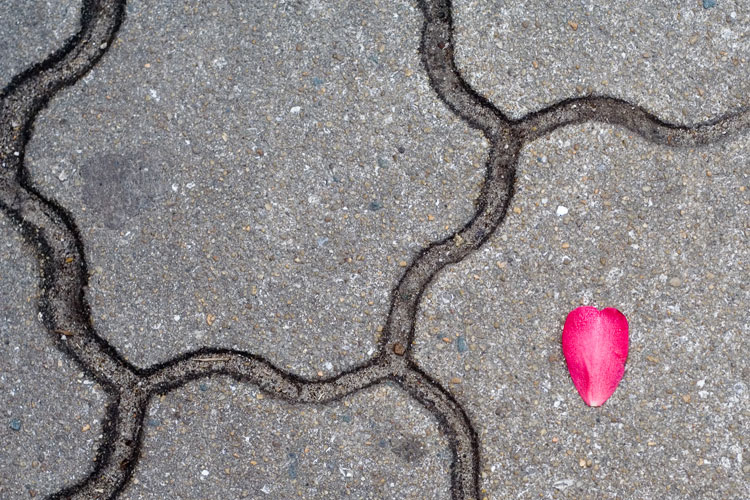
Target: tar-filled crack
column 52, row 232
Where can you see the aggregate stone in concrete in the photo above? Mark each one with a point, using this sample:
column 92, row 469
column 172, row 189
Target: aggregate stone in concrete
column 255, row 176
column 218, row 435
column 662, row 235
column 684, row 62
column 31, row 30
column 50, row 412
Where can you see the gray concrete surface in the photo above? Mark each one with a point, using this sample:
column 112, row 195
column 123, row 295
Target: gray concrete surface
column 31, row 29
column 50, row 412
column 684, row 62
column 253, row 161
column 223, row 436
column 658, row 233
column 260, row 177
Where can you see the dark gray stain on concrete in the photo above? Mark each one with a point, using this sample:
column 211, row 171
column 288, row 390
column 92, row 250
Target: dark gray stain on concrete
column 410, row 449
column 118, row 187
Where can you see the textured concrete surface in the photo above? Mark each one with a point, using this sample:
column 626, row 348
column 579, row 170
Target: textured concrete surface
column 31, row 29
column 253, row 161
column 684, row 62
column 221, row 436
column 50, row 410
column 285, row 183
column 658, row 233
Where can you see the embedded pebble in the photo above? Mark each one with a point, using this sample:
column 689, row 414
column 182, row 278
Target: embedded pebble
column 461, row 344
column 375, row 206
column 563, row 484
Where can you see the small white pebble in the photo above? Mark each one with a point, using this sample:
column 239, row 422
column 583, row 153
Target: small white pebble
column 561, row 210
column 204, row 472
column 295, row 110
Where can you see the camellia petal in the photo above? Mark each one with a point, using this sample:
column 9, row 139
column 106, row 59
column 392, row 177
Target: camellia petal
column 595, row 345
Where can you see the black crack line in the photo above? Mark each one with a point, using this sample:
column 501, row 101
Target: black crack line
column 614, row 111
column 50, row 229
column 506, row 138
column 46, row 225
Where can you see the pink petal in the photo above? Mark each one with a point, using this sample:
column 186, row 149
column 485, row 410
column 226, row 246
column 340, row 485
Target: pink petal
column 595, row 345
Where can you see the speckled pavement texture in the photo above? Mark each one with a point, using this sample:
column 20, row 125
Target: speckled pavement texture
column 303, row 249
